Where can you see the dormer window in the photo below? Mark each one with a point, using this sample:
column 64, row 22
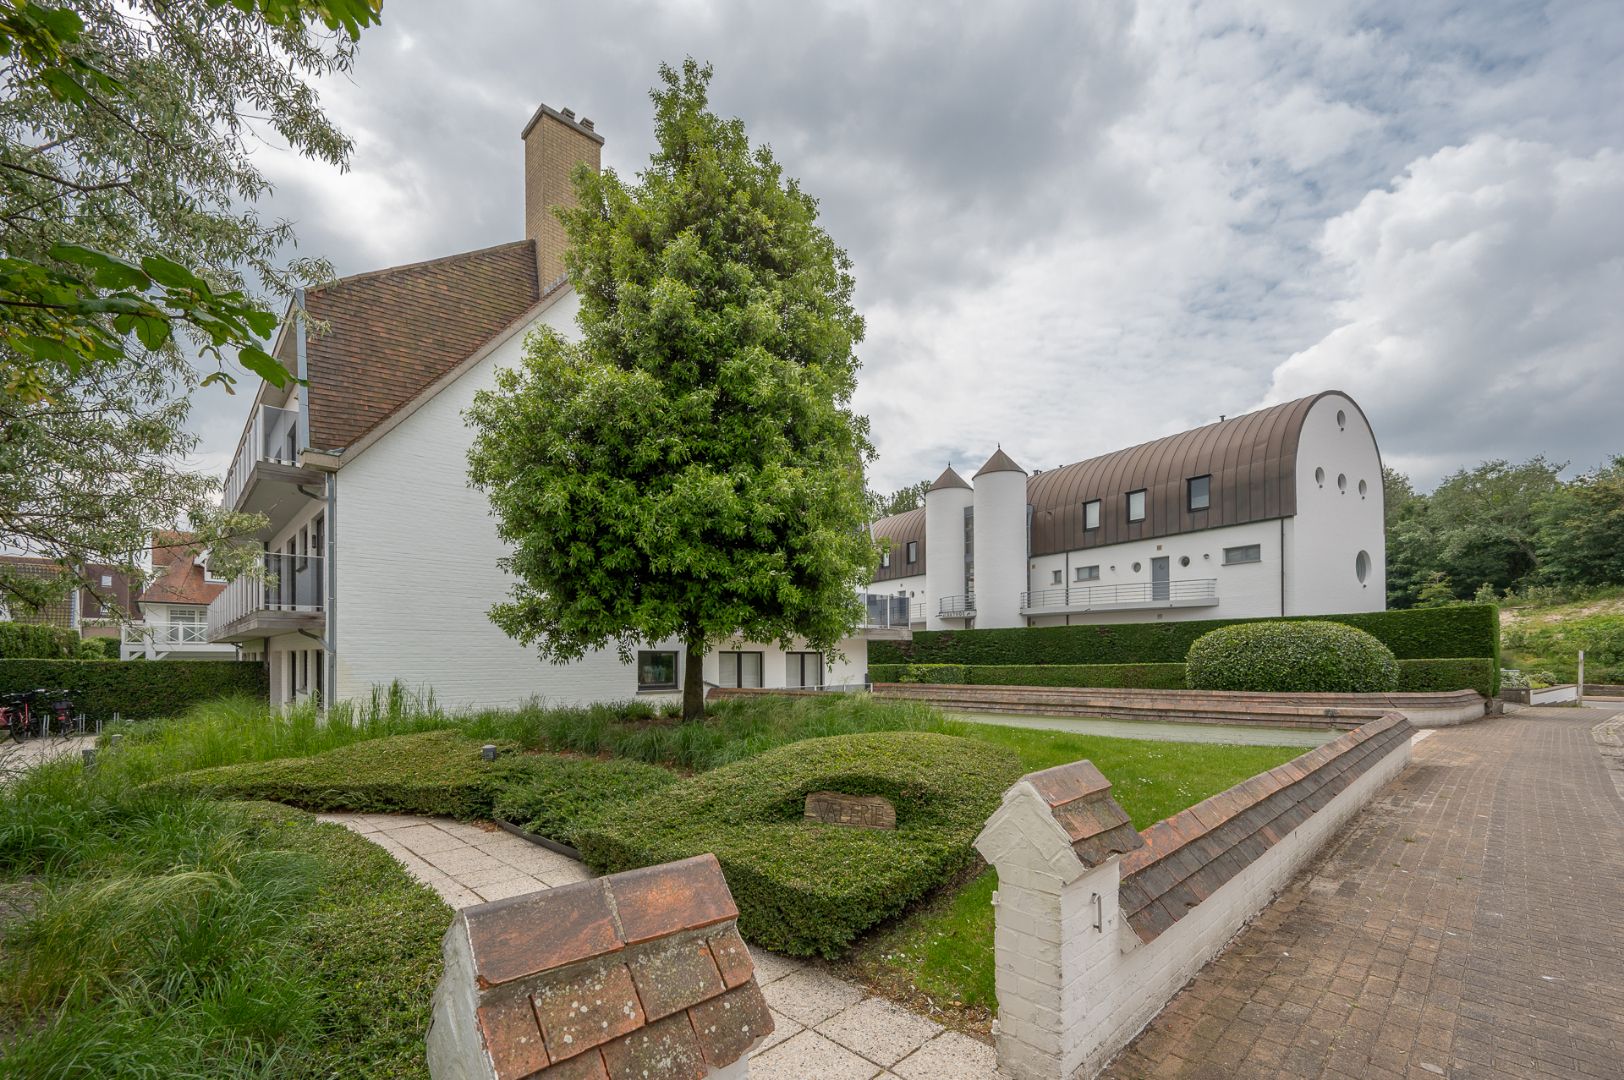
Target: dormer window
column 885, row 559
column 1200, row 492
column 913, row 552
column 1136, row 505
column 1091, row 514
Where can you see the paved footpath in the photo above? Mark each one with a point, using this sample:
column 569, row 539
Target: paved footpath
column 1469, row 923
column 826, row 1028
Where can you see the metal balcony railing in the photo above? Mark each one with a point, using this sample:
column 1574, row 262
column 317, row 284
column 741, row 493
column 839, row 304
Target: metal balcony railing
column 956, row 607
column 1187, row 593
column 272, row 434
column 292, row 583
column 882, row 612
column 916, row 612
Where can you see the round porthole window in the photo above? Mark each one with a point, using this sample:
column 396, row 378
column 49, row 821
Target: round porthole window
column 1184, row 560
column 1319, row 477
column 1136, row 567
column 1341, row 419
column 1361, row 566
column 1342, row 482
column 1363, row 487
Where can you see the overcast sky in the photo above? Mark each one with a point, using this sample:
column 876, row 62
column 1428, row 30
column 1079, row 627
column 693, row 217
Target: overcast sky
column 1078, row 226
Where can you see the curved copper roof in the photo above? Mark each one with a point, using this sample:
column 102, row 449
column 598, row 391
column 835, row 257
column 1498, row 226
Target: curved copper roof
column 949, row 479
column 1252, row 460
column 899, row 529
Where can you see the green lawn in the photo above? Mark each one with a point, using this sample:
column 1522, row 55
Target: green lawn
column 940, row 955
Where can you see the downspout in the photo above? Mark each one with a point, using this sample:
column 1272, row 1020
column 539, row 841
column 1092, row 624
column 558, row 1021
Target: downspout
column 1282, row 568
column 332, row 588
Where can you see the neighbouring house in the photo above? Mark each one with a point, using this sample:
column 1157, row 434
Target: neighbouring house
column 60, row 611
column 1278, row 512
column 384, row 559
column 173, row 606
column 106, row 603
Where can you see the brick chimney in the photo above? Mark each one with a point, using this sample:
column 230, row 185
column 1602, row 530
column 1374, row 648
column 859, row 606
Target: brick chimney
column 555, row 142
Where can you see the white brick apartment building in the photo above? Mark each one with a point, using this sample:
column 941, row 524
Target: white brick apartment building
column 383, row 557
column 1278, row 512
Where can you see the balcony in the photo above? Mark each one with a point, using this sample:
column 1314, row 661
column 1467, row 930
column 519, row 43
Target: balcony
column 290, row 597
column 957, row 607
column 885, row 616
column 265, row 475
column 1077, row 599
column 154, row 640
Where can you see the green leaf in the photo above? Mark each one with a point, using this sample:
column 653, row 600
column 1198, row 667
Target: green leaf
column 264, row 365
column 153, row 332
column 172, row 274
column 107, row 271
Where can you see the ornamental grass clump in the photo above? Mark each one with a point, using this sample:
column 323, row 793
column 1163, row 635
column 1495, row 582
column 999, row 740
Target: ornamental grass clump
column 1299, row 657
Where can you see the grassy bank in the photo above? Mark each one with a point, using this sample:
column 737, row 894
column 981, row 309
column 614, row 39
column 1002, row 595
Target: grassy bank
column 156, row 935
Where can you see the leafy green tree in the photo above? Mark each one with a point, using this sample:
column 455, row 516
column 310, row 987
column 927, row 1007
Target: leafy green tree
column 1437, row 591
column 1581, row 530
column 1486, row 521
column 1412, row 549
column 691, row 468
column 127, row 230
column 126, row 181
column 899, row 501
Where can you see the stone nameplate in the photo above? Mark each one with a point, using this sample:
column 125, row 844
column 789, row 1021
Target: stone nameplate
column 865, row 811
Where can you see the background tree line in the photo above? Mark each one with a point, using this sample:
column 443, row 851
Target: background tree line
column 1498, row 528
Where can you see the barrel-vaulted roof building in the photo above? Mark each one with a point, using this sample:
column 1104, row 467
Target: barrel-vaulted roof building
column 1277, row 512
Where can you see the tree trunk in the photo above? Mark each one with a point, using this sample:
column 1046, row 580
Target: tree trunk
column 693, row 684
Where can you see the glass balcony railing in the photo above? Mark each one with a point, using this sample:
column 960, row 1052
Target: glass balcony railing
column 272, row 434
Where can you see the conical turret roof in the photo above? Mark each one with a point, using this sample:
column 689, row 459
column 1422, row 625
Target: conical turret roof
column 949, row 479
column 1000, row 462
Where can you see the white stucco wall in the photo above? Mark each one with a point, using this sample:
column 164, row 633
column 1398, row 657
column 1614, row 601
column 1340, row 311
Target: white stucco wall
column 1000, row 549
column 1334, row 521
column 850, row 668
column 944, row 552
column 1245, row 590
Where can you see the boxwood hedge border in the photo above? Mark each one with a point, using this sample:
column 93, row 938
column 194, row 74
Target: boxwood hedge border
column 136, row 689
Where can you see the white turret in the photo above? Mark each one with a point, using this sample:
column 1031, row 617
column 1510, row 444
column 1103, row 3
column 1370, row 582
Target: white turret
column 1000, row 542
column 945, row 505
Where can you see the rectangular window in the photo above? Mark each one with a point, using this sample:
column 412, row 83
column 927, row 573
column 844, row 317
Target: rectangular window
column 321, row 667
column 107, row 581
column 804, row 670
column 739, row 669
column 1091, row 514
column 1059, row 577
column 1245, row 554
column 885, row 560
column 1088, row 573
column 656, row 670
column 1136, row 505
column 913, row 552
column 1200, row 492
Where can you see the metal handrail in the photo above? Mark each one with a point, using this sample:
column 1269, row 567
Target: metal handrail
column 884, row 612
column 1193, row 590
column 956, row 607
column 270, row 436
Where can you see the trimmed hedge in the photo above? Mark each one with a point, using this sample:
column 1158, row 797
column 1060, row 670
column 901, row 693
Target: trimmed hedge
column 138, row 690
column 1417, row 634
column 556, row 796
column 434, row 773
column 1291, row 657
column 1093, row 676
column 30, row 641
column 1449, row 673
column 804, row 888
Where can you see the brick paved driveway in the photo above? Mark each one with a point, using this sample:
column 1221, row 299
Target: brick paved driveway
column 1469, row 923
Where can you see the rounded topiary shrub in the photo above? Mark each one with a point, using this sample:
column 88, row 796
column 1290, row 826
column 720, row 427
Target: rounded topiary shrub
column 1291, row 657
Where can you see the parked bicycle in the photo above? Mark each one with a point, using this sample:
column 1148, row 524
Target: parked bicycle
column 28, row 714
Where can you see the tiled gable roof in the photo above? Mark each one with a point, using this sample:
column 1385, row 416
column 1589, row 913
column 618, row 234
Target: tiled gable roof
column 177, row 575
column 391, row 333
